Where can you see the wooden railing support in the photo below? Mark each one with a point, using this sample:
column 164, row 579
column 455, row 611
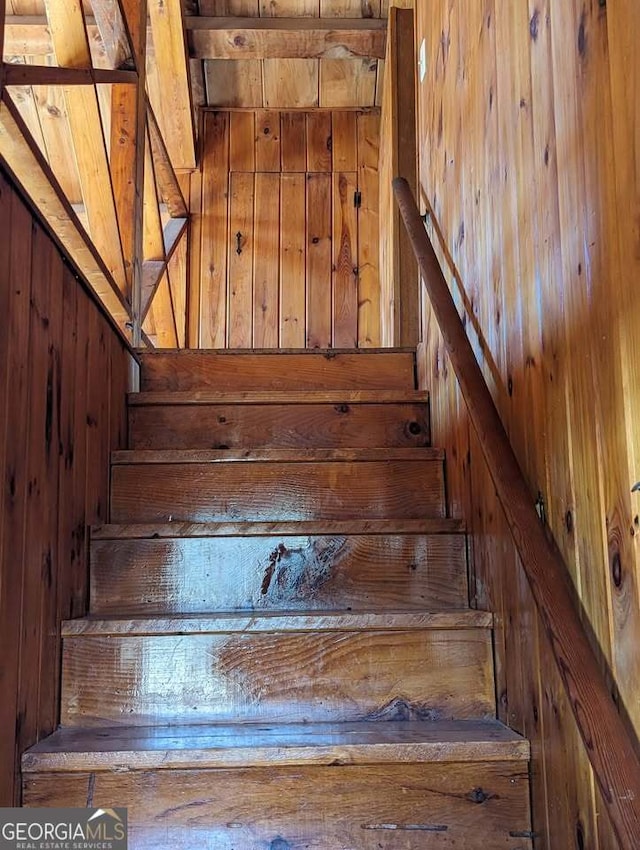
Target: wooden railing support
column 610, row 743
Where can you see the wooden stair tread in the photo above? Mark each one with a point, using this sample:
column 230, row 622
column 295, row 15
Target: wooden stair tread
column 325, row 353
column 274, row 397
column 275, row 455
column 119, row 531
column 277, row 622
column 253, row 745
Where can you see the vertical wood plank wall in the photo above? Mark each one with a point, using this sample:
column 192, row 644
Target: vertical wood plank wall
column 64, row 373
column 284, row 258
column 530, row 162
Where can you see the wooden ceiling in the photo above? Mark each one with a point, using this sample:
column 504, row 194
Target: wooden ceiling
column 95, row 104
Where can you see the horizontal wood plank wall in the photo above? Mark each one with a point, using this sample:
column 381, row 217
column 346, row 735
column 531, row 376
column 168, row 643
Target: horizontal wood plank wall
column 285, row 258
column 64, row 374
column 530, row 165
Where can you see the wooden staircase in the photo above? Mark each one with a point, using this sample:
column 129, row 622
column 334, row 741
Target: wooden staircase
column 280, row 652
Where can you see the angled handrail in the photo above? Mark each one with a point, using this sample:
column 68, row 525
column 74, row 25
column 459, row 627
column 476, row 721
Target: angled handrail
column 611, row 746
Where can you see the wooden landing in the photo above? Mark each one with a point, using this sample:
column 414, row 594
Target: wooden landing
column 250, row 745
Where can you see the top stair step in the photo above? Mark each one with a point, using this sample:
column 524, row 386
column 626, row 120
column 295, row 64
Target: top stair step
column 285, row 370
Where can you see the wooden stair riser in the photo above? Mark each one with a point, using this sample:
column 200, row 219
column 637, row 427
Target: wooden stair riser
column 284, row 425
column 276, row 491
column 249, row 372
column 472, row 806
column 277, row 677
column 309, row 572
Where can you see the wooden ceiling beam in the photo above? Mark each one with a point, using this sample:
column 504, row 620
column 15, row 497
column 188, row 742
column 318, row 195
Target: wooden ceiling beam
column 113, row 31
column 168, row 185
column 171, row 93
column 286, row 38
column 47, row 75
column 71, row 47
column 25, row 161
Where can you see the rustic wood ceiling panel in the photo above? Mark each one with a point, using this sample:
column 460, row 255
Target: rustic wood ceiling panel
column 290, row 81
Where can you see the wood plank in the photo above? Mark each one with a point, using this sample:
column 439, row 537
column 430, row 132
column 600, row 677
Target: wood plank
column 306, row 370
column 344, row 141
column 173, row 107
column 113, row 32
column 162, row 316
column 271, row 455
column 286, row 8
column 417, row 800
column 231, row 677
column 69, row 39
column 266, row 252
column 319, row 141
column 56, row 75
column 15, row 265
column 234, row 84
column 242, row 141
column 284, row 38
column 293, row 143
column 350, row 8
column 293, row 256
column 177, row 272
column 276, row 491
column 242, row 236
column 368, row 231
column 196, row 575
column 329, row 425
column 290, row 81
column 344, row 278
column 271, row 397
column 52, row 134
column 219, row 746
column 347, row 82
column 215, row 167
column 267, row 140
column 194, row 257
column 168, row 186
column 40, row 502
column 319, row 252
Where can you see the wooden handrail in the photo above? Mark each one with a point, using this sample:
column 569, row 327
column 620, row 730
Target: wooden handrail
column 610, row 744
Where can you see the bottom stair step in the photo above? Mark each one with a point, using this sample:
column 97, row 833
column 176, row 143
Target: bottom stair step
column 256, row 745
column 354, row 786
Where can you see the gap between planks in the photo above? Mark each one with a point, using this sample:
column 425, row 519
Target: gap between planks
column 420, row 453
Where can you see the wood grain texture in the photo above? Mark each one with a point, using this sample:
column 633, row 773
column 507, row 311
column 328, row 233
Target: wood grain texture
column 195, row 575
column 191, row 370
column 248, row 745
column 277, row 677
column 553, row 206
column 431, row 796
column 213, row 227
column 293, row 248
column 309, row 221
column 340, row 424
column 48, row 391
column 319, row 247
column 276, row 491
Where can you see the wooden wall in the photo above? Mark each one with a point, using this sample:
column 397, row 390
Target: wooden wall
column 304, row 270
column 63, row 377
column 530, row 162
